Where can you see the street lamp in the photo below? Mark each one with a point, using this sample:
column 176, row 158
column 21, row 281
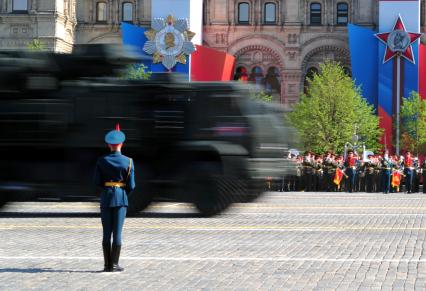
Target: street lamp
column 355, row 145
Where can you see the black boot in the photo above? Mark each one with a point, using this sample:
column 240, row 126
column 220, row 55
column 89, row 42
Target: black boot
column 106, row 247
column 115, row 256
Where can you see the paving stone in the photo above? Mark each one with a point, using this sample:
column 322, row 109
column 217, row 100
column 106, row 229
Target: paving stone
column 284, row 241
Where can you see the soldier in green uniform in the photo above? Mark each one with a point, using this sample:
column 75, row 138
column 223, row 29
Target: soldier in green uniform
column 327, row 172
column 360, row 175
column 339, row 164
column 369, row 174
column 318, row 173
column 307, row 171
column 423, row 170
column 386, row 167
column 416, row 175
column 396, row 167
column 377, row 174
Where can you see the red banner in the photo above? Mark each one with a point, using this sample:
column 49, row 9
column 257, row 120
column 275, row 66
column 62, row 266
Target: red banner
column 338, row 177
column 396, row 179
column 208, row 64
column 422, row 70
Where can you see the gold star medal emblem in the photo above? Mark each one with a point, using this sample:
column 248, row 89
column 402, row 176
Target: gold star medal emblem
column 169, row 41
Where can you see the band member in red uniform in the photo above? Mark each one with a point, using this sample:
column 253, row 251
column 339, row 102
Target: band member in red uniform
column 350, row 165
column 408, row 172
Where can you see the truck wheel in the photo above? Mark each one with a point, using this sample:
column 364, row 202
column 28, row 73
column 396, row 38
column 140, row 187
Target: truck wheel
column 4, row 198
column 255, row 190
column 209, row 190
column 138, row 202
column 142, row 195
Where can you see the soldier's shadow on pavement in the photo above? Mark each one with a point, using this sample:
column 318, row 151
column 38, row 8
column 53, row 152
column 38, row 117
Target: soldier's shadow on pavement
column 165, row 215
column 44, row 270
column 48, row 214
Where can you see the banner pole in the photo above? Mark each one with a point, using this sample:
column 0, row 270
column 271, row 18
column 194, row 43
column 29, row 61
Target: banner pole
column 398, row 100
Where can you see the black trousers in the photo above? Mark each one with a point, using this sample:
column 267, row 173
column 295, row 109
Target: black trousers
column 351, row 173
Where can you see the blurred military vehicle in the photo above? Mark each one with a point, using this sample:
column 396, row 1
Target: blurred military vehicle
column 201, row 142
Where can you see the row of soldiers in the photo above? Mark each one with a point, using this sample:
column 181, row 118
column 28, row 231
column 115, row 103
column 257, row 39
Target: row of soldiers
column 375, row 173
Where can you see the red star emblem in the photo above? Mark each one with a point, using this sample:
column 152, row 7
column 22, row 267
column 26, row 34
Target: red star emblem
column 398, row 42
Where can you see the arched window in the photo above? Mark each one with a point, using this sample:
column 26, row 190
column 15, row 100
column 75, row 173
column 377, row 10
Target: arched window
column 20, row 6
column 273, row 81
column 312, row 71
column 243, row 13
column 270, row 13
column 127, row 11
column 315, row 14
column 241, row 74
column 101, row 12
column 342, row 13
column 256, row 77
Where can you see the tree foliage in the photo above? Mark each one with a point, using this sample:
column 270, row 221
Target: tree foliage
column 36, row 45
column 262, row 96
column 413, row 123
column 331, row 110
column 136, row 72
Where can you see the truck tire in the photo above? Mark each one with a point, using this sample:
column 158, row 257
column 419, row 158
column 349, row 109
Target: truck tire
column 142, row 196
column 138, row 202
column 209, row 190
column 254, row 191
column 4, row 198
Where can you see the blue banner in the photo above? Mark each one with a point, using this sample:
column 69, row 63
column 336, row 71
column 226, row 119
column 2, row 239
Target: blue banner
column 364, row 62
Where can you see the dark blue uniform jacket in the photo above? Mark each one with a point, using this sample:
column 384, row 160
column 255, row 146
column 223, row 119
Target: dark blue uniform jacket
column 114, row 168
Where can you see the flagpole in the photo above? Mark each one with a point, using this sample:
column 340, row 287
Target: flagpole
column 398, row 99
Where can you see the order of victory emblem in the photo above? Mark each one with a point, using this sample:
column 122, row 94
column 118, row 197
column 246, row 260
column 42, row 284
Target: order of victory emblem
column 398, row 41
column 169, row 41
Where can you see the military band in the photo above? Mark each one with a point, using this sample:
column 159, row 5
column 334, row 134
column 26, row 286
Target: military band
column 354, row 173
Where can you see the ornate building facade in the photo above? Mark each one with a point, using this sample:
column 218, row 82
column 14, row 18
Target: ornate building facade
column 277, row 43
column 53, row 22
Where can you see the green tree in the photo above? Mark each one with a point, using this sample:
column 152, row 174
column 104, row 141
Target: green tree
column 136, row 72
column 262, row 96
column 331, row 110
column 413, row 123
column 36, row 45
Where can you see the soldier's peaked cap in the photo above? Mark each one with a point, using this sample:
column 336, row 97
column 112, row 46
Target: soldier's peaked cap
column 115, row 136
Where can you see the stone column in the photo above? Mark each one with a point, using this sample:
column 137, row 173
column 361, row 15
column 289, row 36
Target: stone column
column 231, row 13
column 291, row 84
column 3, row 6
column 283, row 87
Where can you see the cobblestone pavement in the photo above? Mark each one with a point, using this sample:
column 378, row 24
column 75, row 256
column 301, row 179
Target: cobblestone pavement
column 284, row 241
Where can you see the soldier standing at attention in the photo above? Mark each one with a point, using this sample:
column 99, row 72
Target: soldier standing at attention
column 416, row 175
column 377, row 173
column 369, row 174
column 408, row 172
column 114, row 175
column 307, row 171
column 350, row 165
column 386, row 165
column 327, row 168
column 423, row 170
column 318, row 173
